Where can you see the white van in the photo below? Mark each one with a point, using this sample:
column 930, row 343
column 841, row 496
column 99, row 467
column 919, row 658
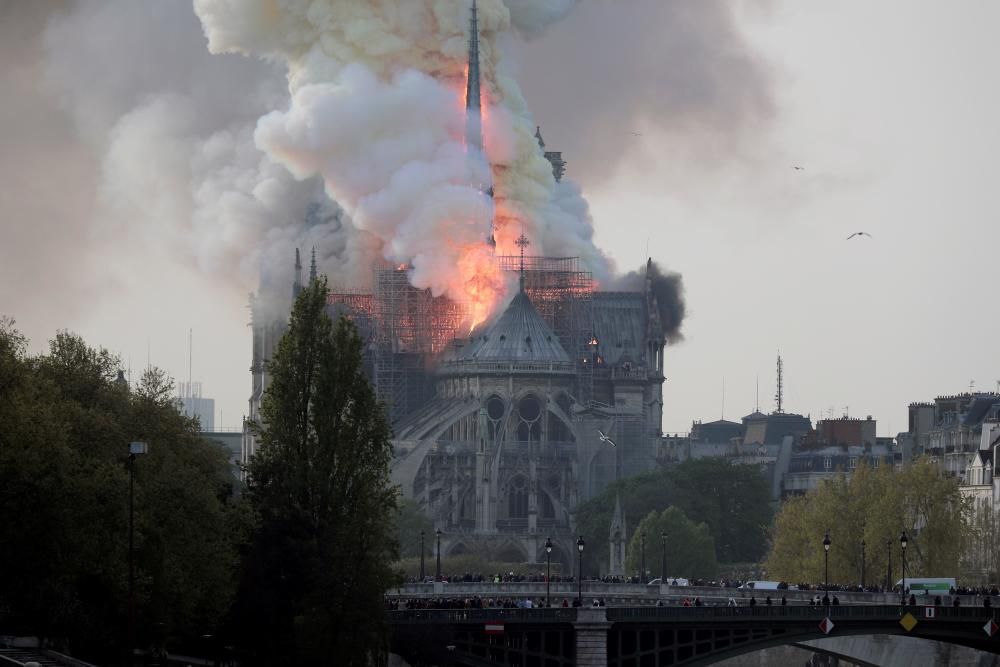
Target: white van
column 761, row 585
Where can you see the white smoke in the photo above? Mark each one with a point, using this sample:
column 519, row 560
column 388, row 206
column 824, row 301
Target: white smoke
column 173, row 128
column 377, row 110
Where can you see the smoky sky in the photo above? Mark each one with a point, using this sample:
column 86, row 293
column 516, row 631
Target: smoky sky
column 613, row 73
column 46, row 182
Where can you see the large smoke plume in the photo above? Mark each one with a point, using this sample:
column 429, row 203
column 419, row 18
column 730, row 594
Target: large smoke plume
column 128, row 134
column 377, row 110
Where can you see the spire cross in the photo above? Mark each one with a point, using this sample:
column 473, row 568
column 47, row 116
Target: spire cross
column 522, row 242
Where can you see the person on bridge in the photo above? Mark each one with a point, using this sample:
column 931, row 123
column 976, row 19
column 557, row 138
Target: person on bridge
column 753, row 601
column 697, row 602
column 987, row 603
column 957, row 602
column 767, row 601
column 784, row 601
column 836, row 600
column 913, row 600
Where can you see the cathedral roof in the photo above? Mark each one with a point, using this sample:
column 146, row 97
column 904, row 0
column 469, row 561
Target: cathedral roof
column 519, row 335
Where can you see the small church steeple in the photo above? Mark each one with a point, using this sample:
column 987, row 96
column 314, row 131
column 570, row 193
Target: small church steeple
column 297, row 285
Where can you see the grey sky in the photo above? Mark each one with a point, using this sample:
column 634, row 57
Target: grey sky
column 682, row 125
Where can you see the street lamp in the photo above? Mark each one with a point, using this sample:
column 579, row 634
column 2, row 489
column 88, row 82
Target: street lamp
column 888, row 571
column 642, row 560
column 438, row 576
column 826, row 566
column 579, row 571
column 134, row 449
column 902, row 545
column 663, row 558
column 422, row 575
column 548, row 569
column 862, row 566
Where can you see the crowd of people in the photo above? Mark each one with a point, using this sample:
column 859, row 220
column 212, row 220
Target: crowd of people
column 477, row 602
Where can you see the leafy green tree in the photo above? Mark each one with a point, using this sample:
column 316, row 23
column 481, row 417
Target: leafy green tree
column 319, row 562
column 410, row 521
column 733, row 501
column 690, row 546
column 874, row 506
column 64, row 503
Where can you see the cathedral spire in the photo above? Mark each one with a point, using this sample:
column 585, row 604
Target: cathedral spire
column 473, row 107
column 472, row 93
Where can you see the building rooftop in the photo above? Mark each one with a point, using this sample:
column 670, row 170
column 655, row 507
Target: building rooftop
column 520, row 334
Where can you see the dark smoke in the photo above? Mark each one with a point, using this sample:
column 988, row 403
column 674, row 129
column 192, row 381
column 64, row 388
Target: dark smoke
column 668, row 287
column 612, row 77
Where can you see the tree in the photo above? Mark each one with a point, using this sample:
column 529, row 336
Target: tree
column 690, row 546
column 733, row 501
column 64, row 503
column 874, row 506
column 410, row 521
column 319, row 562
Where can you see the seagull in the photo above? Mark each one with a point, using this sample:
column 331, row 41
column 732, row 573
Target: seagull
column 637, row 134
column 606, row 438
column 796, row 168
column 859, row 234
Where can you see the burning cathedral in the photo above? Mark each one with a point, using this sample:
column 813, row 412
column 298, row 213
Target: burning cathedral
column 502, row 431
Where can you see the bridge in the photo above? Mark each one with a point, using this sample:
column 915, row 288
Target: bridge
column 661, row 636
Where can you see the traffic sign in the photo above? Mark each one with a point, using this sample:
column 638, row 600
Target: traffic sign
column 929, row 612
column 991, row 627
column 908, row 622
column 494, row 628
column 826, row 625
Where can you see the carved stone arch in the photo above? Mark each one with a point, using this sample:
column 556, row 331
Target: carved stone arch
column 511, row 551
column 565, row 421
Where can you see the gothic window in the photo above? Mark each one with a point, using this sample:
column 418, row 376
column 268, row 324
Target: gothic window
column 495, row 410
column 548, row 509
column 517, row 498
column 529, row 423
column 827, row 463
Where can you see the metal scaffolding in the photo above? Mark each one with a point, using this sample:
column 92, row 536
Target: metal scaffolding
column 406, row 328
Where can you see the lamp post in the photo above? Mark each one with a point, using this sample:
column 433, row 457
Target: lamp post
column 422, row 575
column 663, row 558
column 579, row 571
column 438, row 575
column 548, row 569
column 826, row 567
column 862, row 565
column 888, row 571
column 642, row 557
column 902, row 545
column 134, row 449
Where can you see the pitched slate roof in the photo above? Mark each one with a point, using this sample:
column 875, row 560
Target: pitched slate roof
column 519, row 335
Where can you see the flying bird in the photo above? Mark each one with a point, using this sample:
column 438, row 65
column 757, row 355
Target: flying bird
column 797, row 168
column 859, row 234
column 606, row 438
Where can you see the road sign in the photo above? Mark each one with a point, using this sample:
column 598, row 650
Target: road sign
column 494, row 628
column 991, row 627
column 929, row 612
column 908, row 622
column 825, row 626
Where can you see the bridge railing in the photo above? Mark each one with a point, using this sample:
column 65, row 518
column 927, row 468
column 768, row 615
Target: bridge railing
column 689, row 614
column 846, row 612
column 547, row 615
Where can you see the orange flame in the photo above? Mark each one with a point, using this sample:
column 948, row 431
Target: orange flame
column 482, row 280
